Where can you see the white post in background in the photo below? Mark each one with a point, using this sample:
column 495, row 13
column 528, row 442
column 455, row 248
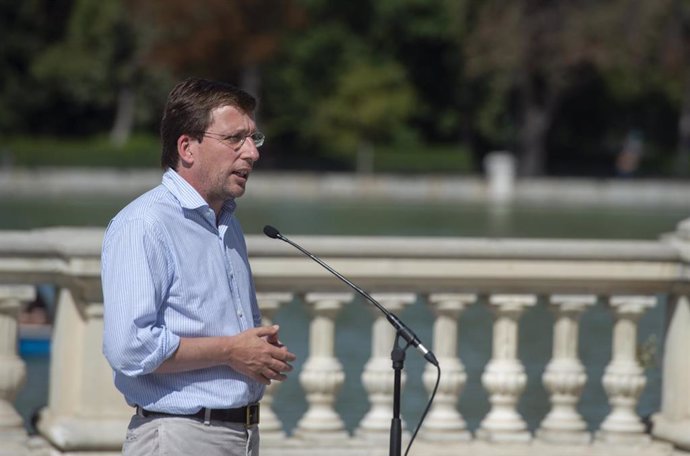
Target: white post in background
column 444, row 422
column 271, row 427
column 504, row 377
column 13, row 436
column 624, row 378
column 565, row 375
column 500, row 173
column 672, row 423
column 322, row 374
column 378, row 376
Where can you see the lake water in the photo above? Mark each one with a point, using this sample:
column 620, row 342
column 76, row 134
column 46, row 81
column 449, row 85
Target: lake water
column 353, row 344
column 384, row 218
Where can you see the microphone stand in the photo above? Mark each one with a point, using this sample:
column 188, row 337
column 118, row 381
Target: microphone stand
column 398, row 352
column 398, row 358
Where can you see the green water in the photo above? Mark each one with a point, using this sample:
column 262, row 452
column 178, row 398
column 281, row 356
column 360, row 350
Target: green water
column 382, row 218
column 353, row 343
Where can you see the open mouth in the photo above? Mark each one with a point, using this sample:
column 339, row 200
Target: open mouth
column 242, row 173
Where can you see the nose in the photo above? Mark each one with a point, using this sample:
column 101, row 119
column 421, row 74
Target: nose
column 250, row 151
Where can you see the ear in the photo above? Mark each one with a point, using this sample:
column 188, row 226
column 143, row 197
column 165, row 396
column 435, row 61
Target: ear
column 185, row 149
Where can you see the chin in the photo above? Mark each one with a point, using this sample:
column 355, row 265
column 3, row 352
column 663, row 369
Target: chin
column 235, row 192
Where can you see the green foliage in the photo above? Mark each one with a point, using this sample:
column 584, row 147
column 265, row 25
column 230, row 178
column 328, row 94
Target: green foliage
column 364, row 73
column 635, row 45
column 24, row 29
column 416, row 158
column 369, row 103
column 139, row 152
column 88, row 65
column 303, row 73
column 493, row 120
column 335, row 77
column 143, row 151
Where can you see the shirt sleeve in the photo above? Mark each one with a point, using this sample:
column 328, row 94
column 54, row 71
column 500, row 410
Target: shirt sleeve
column 135, row 273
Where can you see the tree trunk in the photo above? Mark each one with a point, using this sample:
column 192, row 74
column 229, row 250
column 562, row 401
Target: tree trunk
column 535, row 125
column 251, row 83
column 365, row 159
column 124, row 116
column 683, row 153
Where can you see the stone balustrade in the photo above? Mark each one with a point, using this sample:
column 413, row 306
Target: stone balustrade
column 85, row 415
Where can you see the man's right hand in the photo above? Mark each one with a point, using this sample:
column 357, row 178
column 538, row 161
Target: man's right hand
column 258, row 354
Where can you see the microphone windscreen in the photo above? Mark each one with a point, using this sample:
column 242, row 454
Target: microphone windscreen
column 271, row 232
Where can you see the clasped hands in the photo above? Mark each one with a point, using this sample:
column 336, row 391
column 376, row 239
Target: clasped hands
column 260, row 355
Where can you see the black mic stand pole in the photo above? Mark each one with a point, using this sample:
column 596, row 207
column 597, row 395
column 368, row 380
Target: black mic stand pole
column 398, row 358
column 398, row 352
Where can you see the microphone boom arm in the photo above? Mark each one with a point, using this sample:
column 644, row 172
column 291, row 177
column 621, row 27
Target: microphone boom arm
column 402, row 329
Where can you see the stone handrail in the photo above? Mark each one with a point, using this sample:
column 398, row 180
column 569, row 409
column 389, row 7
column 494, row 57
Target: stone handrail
column 86, row 413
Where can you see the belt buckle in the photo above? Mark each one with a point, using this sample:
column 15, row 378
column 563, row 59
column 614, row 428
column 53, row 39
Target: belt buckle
column 252, row 415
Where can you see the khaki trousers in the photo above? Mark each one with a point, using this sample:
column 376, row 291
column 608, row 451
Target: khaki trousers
column 173, row 436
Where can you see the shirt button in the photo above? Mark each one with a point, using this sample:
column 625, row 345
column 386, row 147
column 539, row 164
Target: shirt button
column 240, row 314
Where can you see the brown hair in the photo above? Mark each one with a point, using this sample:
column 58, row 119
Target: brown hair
column 188, row 111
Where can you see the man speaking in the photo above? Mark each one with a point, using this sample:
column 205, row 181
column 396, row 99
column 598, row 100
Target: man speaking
column 182, row 325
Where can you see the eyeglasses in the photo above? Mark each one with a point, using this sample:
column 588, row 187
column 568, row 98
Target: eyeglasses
column 237, row 141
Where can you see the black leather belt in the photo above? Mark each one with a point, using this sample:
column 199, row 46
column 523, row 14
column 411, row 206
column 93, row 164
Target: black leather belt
column 248, row 415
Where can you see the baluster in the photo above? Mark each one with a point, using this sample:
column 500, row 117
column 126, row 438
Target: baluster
column 672, row 422
column 271, row 427
column 504, row 377
column 624, row 378
column 444, row 422
column 378, row 375
column 565, row 375
column 322, row 374
column 84, row 411
column 12, row 369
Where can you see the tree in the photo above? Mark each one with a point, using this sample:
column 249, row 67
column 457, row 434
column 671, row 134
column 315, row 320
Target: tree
column 370, row 103
column 644, row 47
column 672, row 49
column 115, row 51
column 526, row 51
column 531, row 53
column 361, row 74
column 423, row 37
column 25, row 28
column 95, row 64
column 224, row 39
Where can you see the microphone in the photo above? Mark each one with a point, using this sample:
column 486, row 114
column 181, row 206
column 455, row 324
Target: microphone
column 402, row 329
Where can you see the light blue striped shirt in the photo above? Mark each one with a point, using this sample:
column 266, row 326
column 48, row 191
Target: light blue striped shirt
column 169, row 272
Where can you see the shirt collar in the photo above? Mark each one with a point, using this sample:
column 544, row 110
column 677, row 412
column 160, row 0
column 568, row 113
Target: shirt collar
column 188, row 197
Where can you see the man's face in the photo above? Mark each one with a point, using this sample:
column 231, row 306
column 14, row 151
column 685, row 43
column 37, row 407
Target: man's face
column 221, row 170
